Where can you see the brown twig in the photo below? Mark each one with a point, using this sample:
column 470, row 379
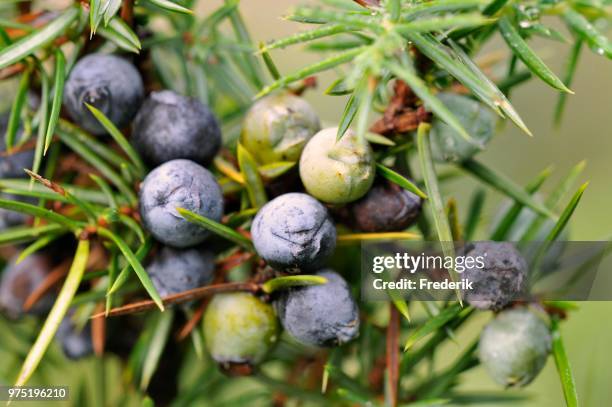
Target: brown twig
column 54, row 277
column 193, row 321
column 98, row 331
column 244, row 233
column 29, row 17
column 73, row 163
column 47, row 183
column 127, row 12
column 555, row 311
column 233, row 261
column 12, row 70
column 368, row 3
column 27, row 146
column 316, row 369
column 308, row 83
column 96, row 259
column 222, row 266
column 376, row 376
column 393, row 354
column 35, row 20
column 184, row 296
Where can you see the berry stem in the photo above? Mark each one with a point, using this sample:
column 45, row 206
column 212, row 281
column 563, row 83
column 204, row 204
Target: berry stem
column 184, row 296
column 127, row 12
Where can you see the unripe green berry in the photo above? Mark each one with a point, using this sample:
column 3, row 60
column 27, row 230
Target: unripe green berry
column 277, row 127
column 478, row 120
column 239, row 329
column 514, row 346
column 337, row 171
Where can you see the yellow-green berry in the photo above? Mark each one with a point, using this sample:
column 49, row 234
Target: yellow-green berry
column 337, row 171
column 239, row 329
column 278, row 127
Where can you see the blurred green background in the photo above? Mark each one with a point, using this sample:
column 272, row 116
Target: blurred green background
column 585, row 134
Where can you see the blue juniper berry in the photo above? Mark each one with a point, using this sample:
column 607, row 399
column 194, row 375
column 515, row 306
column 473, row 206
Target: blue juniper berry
column 109, row 83
column 294, row 232
column 320, row 315
column 171, row 126
column 179, row 184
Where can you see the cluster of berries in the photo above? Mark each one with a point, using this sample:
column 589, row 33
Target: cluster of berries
column 293, row 233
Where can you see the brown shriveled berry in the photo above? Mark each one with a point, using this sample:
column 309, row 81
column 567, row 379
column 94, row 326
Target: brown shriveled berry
column 386, row 207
